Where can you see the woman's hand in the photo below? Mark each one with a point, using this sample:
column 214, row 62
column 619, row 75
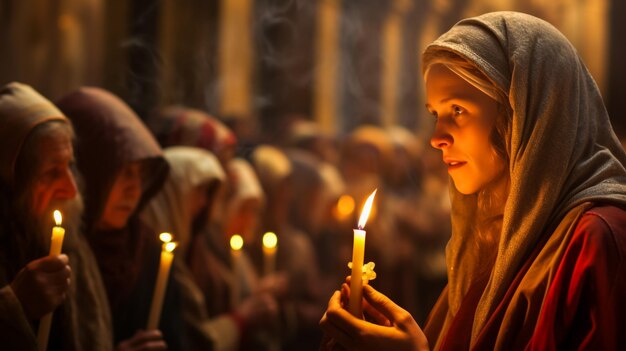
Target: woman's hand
column 42, row 285
column 143, row 340
column 395, row 328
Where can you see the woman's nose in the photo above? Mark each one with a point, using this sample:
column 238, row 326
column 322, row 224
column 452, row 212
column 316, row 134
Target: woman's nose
column 441, row 138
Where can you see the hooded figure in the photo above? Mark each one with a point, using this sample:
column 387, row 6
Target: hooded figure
column 183, row 208
column 111, row 138
column 550, row 272
column 83, row 321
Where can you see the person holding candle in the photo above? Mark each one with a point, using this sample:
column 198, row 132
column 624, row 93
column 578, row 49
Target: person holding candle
column 123, row 167
column 296, row 263
column 37, row 178
column 183, row 207
column 255, row 305
column 538, row 192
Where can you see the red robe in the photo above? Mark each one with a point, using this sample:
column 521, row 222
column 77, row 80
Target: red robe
column 584, row 307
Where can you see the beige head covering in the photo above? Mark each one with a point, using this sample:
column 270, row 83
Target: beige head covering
column 562, row 149
column 21, row 110
column 169, row 209
column 271, row 165
column 245, row 184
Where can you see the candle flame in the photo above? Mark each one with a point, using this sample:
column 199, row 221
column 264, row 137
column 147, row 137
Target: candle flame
column 236, row 242
column 165, row 237
column 169, row 247
column 366, row 210
column 270, row 240
column 58, row 219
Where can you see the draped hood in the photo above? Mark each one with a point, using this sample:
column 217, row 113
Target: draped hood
column 170, row 209
column 110, row 135
column 21, row 110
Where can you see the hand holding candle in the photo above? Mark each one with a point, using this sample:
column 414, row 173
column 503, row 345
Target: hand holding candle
column 358, row 253
column 269, row 253
column 167, row 256
column 56, row 244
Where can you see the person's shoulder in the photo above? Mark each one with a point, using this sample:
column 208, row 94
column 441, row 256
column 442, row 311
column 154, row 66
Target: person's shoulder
column 603, row 224
column 606, row 217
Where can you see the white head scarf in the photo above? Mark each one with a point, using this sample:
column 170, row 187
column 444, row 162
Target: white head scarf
column 169, row 210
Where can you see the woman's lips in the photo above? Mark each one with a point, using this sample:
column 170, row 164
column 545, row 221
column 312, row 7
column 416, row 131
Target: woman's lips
column 454, row 164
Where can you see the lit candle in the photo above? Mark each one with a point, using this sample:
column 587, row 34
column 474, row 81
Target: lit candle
column 269, row 253
column 236, row 243
column 56, row 244
column 167, row 256
column 358, row 251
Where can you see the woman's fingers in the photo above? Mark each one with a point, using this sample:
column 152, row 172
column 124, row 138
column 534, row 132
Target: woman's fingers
column 375, row 315
column 384, row 305
column 335, row 321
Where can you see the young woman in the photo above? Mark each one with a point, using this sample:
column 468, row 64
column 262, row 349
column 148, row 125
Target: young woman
column 538, row 191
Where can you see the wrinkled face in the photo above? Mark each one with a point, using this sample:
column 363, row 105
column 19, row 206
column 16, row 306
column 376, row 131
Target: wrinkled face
column 465, row 119
column 54, row 181
column 123, row 198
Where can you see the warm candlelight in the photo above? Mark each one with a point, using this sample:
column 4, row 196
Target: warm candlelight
column 358, row 252
column 269, row 253
column 167, row 256
column 56, row 244
column 236, row 244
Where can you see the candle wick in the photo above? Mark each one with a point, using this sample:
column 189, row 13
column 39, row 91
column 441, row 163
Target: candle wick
column 360, row 227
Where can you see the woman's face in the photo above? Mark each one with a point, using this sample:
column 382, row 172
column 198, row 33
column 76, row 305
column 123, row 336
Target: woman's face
column 465, row 118
column 123, row 198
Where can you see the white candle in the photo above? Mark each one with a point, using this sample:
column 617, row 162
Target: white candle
column 269, row 253
column 358, row 253
column 236, row 243
column 167, row 256
column 56, row 244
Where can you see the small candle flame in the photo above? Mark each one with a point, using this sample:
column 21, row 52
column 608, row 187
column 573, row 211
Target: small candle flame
column 165, row 237
column 169, row 247
column 270, row 240
column 366, row 210
column 58, row 219
column 236, row 242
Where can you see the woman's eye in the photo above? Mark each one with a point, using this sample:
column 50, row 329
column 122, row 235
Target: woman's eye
column 457, row 110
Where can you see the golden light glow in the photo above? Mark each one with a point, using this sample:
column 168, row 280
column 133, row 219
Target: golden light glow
column 345, row 206
column 165, row 237
column 58, row 219
column 169, row 247
column 366, row 210
column 270, row 240
column 236, row 242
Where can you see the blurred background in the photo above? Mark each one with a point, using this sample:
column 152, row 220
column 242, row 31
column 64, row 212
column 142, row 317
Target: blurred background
column 339, row 63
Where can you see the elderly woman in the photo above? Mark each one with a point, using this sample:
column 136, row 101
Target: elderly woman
column 538, row 191
column 123, row 167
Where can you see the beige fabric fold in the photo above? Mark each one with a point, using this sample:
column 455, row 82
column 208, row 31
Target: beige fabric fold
column 562, row 149
column 169, row 210
column 21, row 110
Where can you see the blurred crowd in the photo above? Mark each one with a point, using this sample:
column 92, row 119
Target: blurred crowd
column 121, row 179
